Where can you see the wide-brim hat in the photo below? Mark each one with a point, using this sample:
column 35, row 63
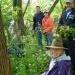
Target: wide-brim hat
column 56, row 44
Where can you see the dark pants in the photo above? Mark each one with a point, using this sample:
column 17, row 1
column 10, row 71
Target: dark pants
column 48, row 38
column 39, row 37
column 72, row 53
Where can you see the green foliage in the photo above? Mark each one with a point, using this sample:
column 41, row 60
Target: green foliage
column 34, row 61
column 6, row 11
column 66, row 31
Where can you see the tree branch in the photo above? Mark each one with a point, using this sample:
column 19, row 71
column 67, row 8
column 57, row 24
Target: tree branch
column 52, row 8
column 61, row 5
column 26, row 7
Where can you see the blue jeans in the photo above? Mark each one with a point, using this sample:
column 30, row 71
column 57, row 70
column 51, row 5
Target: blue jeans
column 39, row 37
column 48, row 37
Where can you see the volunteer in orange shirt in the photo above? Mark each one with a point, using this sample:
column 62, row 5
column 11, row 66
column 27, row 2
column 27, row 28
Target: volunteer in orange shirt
column 47, row 26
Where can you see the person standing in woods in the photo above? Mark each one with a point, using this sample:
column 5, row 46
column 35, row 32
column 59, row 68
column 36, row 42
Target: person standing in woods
column 72, row 39
column 68, row 19
column 60, row 63
column 37, row 22
column 66, row 13
column 47, row 26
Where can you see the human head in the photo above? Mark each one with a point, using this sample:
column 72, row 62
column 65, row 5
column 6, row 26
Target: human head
column 55, row 52
column 38, row 9
column 56, row 49
column 69, row 4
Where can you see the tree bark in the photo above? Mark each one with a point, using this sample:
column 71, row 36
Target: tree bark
column 4, row 55
column 20, row 17
column 20, row 20
column 26, row 7
column 52, row 8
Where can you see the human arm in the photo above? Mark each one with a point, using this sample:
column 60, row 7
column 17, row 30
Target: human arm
column 34, row 22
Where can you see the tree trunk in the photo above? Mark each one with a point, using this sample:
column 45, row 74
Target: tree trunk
column 52, row 8
column 20, row 17
column 20, row 20
column 26, row 7
column 4, row 56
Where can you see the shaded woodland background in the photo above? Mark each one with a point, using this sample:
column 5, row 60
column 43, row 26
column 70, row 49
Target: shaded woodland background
column 19, row 52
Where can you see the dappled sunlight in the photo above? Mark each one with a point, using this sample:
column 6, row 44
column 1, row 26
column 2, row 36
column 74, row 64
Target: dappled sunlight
column 27, row 31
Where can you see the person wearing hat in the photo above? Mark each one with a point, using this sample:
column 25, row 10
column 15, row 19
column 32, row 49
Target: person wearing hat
column 68, row 19
column 71, row 39
column 64, row 19
column 60, row 64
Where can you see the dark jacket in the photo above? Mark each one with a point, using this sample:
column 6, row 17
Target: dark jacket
column 68, row 18
column 37, row 19
column 61, row 66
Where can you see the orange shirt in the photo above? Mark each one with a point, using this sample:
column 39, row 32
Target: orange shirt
column 47, row 24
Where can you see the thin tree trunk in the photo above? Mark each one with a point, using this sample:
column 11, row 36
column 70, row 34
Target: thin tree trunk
column 61, row 5
column 26, row 7
column 20, row 17
column 53, row 6
column 20, row 20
